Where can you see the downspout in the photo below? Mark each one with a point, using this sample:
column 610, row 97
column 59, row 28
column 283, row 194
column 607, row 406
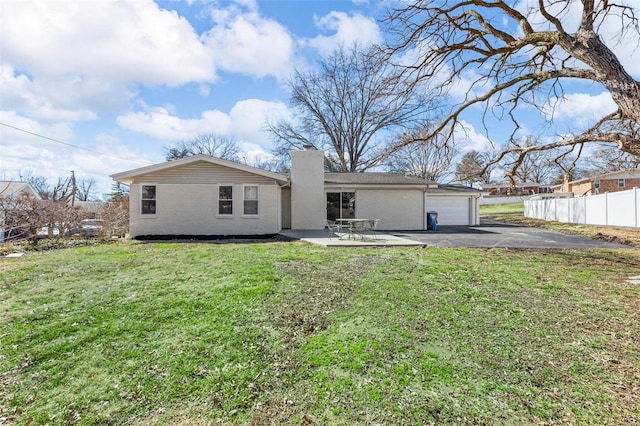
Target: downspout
column 424, row 208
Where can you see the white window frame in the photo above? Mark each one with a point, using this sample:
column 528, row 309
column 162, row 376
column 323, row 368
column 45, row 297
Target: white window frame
column 224, row 199
column 245, row 199
column 155, row 199
column 621, row 181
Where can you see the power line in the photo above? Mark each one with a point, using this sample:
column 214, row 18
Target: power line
column 72, row 145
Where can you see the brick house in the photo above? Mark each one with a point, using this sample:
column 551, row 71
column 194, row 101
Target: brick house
column 608, row 182
column 507, row 189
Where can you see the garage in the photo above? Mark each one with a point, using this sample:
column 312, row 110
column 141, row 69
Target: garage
column 454, row 207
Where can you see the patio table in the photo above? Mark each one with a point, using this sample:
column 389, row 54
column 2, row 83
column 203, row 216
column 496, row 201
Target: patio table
column 359, row 227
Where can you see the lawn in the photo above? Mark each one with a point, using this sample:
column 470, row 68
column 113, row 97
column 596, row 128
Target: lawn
column 289, row 333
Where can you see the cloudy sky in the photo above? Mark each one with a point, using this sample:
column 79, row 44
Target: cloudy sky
column 100, row 86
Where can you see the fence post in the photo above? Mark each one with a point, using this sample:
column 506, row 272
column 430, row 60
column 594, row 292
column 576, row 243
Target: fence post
column 606, row 208
column 635, row 208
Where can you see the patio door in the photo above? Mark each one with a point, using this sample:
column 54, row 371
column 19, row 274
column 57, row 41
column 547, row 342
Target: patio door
column 341, row 205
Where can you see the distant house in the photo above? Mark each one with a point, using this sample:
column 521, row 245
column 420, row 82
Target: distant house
column 207, row 196
column 9, row 192
column 507, row 189
column 608, row 182
column 90, row 209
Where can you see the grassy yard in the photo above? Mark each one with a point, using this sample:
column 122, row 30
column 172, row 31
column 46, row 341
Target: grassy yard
column 288, row 333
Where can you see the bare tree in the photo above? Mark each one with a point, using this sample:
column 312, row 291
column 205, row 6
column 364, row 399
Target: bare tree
column 21, row 216
column 519, row 53
column 85, row 189
column 353, row 97
column 604, row 159
column 474, row 167
column 428, row 158
column 538, row 166
column 61, row 191
column 115, row 215
column 208, row 144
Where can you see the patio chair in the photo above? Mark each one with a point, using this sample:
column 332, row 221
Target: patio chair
column 357, row 229
column 370, row 228
column 333, row 228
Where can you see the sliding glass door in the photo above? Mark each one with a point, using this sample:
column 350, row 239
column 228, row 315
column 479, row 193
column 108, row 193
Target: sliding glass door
column 341, row 205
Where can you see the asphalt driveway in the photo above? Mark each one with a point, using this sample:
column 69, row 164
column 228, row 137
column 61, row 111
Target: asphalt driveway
column 497, row 234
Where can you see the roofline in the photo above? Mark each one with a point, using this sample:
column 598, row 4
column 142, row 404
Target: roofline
column 425, row 186
column 596, row 177
column 25, row 185
column 130, row 174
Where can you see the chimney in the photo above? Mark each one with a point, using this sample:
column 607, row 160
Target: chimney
column 308, row 202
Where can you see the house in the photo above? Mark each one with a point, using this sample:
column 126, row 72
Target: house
column 208, row 196
column 10, row 191
column 609, row 182
column 507, row 189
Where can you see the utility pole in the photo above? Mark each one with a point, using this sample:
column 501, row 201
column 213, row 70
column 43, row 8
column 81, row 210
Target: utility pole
column 73, row 190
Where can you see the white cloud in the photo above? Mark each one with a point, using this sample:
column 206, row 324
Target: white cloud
column 160, row 124
column 245, row 122
column 583, row 109
column 468, row 139
column 114, row 41
column 242, row 41
column 249, row 117
column 346, row 29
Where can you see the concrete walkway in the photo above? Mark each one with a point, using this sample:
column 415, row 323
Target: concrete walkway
column 329, row 239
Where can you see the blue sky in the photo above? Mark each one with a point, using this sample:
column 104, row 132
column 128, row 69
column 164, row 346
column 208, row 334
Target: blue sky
column 120, row 81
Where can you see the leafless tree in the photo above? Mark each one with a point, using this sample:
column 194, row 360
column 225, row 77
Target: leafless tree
column 115, row 215
column 474, row 167
column 604, row 159
column 208, row 144
column 429, row 157
column 519, row 53
column 342, row 107
column 21, row 216
column 268, row 162
column 85, row 189
column 539, row 166
column 61, row 191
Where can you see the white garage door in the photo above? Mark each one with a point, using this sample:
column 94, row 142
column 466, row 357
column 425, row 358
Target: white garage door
column 451, row 210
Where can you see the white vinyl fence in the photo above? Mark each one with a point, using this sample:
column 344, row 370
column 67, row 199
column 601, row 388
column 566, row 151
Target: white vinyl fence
column 612, row 209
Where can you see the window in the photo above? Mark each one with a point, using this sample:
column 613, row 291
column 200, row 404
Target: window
column 596, row 184
column 225, row 200
column 341, row 205
column 251, row 200
column 148, row 199
column 620, row 183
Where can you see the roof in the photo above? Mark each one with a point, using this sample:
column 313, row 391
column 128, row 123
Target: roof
column 620, row 174
column 509, row 185
column 10, row 188
column 130, row 174
column 370, row 178
column 455, row 189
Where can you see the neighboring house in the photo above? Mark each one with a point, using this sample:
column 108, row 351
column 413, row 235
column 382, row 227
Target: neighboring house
column 608, row 182
column 90, row 209
column 507, row 189
column 10, row 190
column 203, row 195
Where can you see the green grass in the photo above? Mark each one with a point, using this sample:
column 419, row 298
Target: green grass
column 288, row 333
column 503, row 209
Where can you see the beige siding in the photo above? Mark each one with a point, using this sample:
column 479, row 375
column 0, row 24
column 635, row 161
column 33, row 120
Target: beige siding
column 202, row 172
column 396, row 208
column 191, row 209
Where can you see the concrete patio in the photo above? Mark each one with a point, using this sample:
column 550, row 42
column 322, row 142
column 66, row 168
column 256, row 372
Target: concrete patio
column 329, row 239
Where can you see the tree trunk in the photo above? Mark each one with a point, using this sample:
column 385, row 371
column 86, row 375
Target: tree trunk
column 587, row 47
